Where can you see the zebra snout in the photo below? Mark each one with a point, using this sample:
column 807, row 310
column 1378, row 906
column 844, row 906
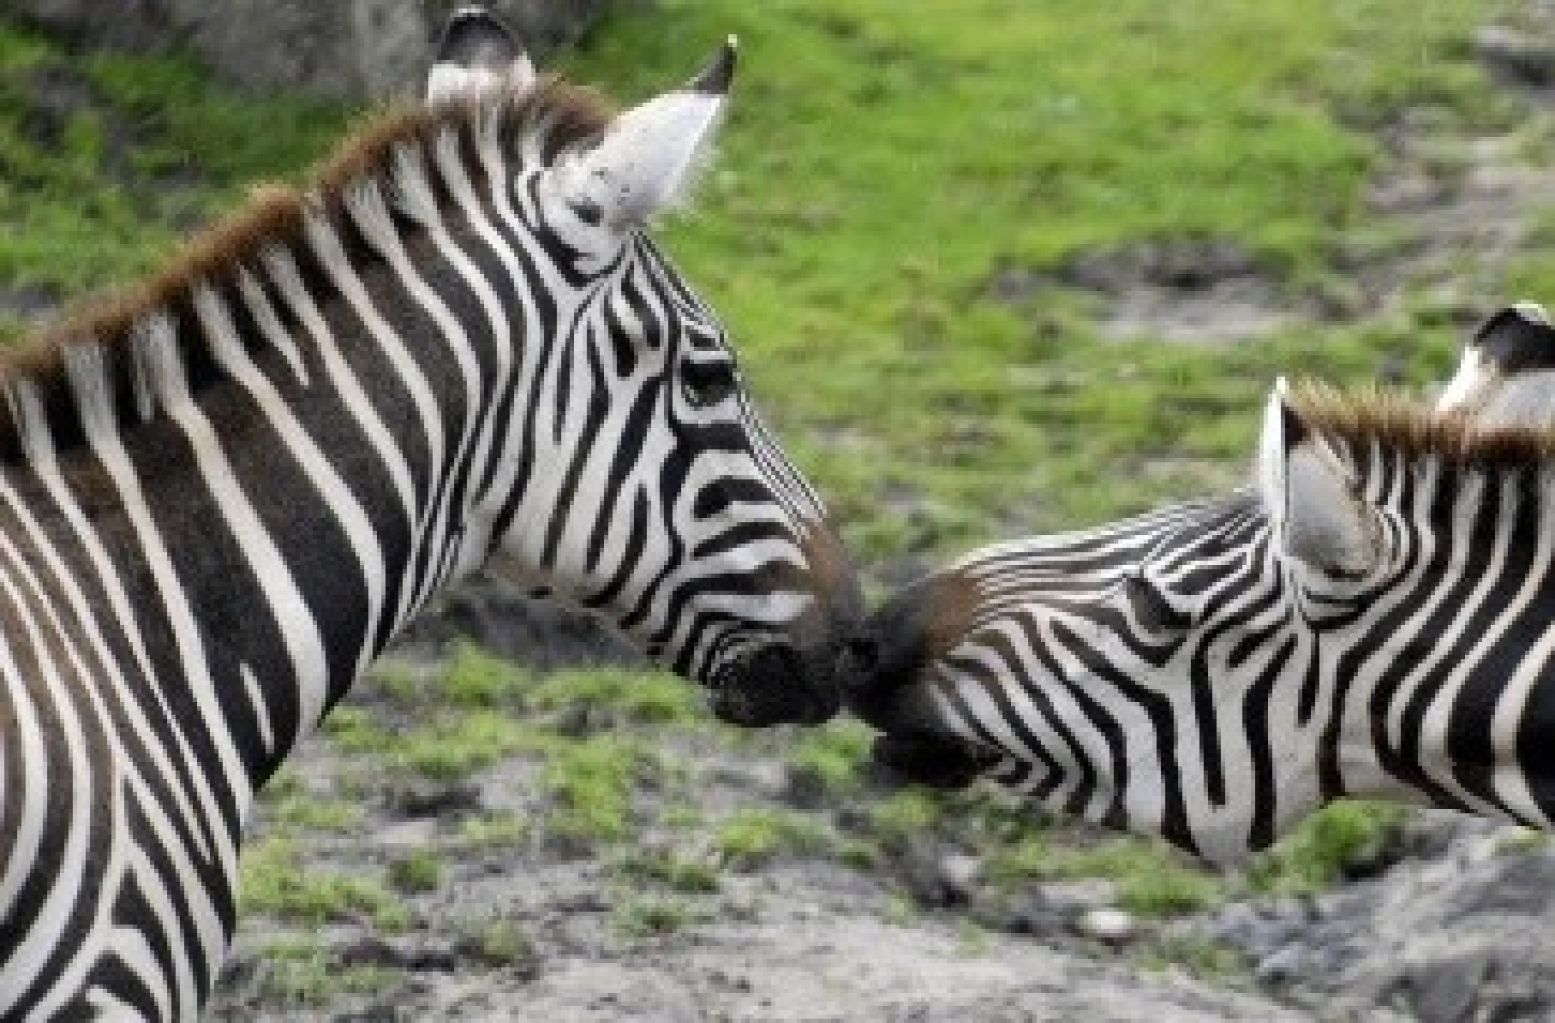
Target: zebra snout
column 776, row 685
column 941, row 762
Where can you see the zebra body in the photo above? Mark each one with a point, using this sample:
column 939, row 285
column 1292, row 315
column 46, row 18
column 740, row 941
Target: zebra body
column 1374, row 618
column 220, row 499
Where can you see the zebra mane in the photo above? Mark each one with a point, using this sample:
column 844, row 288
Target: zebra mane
column 1398, row 421
column 547, row 118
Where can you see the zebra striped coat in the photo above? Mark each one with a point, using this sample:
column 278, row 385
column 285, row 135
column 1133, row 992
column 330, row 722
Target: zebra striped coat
column 1373, row 619
column 222, row 495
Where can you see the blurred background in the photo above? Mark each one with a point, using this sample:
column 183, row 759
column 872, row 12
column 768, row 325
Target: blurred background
column 993, row 267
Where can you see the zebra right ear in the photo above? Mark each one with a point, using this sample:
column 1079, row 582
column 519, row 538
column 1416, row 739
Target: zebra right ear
column 1314, row 506
column 477, row 52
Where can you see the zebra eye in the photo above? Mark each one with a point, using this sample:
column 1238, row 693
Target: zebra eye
column 706, row 383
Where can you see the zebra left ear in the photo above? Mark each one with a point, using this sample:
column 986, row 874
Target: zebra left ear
column 649, row 156
column 1319, row 518
column 477, row 52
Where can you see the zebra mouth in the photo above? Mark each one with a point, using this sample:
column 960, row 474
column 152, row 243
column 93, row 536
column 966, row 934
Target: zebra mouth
column 935, row 760
column 771, row 686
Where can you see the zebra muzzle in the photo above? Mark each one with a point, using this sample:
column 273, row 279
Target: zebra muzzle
column 774, row 686
column 941, row 762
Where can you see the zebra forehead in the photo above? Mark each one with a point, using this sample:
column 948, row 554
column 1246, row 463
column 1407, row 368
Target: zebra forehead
column 556, row 114
column 1396, row 421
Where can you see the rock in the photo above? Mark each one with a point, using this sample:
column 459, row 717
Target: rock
column 357, row 48
column 1281, row 967
column 937, row 879
column 1114, row 926
column 960, row 872
column 1519, row 57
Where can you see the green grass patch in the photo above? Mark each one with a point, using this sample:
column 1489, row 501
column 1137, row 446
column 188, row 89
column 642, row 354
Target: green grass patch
column 648, row 916
column 835, row 755
column 878, row 171
column 682, row 873
column 492, row 831
column 1151, row 879
column 303, row 972
column 1316, row 854
column 417, row 871
column 591, row 782
column 476, row 678
column 499, row 943
column 639, row 696
column 753, row 836
column 906, row 812
column 275, row 882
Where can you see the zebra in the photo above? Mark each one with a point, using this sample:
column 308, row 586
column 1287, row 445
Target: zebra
column 224, row 492
column 1372, row 618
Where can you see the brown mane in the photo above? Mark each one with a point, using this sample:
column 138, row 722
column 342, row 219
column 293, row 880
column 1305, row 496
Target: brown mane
column 565, row 114
column 1401, row 422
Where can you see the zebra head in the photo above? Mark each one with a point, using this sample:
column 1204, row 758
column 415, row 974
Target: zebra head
column 637, row 480
column 1360, row 622
column 1506, row 376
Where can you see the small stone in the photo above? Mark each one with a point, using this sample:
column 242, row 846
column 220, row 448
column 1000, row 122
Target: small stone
column 1281, row 967
column 960, row 873
column 1111, row 925
column 1518, row 56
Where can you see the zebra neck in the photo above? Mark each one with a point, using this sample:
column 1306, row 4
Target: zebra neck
column 254, row 528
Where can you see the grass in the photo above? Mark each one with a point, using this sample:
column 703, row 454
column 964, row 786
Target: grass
column 755, row 835
column 856, row 218
column 276, row 883
column 834, row 756
column 650, row 916
column 591, row 782
column 304, row 972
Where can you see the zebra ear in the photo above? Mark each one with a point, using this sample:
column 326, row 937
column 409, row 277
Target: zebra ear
column 1503, row 379
column 477, row 52
column 649, row 156
column 1313, row 504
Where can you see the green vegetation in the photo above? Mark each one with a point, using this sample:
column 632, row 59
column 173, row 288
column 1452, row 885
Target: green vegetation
column 644, row 917
column 1321, row 848
column 302, row 971
column 753, row 835
column 97, row 192
column 417, row 871
column 834, row 756
column 499, row 942
column 633, row 695
column 879, row 171
column 592, row 782
column 1151, row 880
column 679, row 872
column 275, row 882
